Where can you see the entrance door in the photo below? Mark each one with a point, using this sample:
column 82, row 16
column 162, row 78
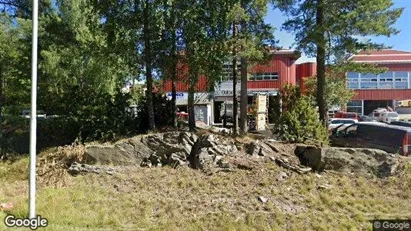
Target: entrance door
column 217, row 109
column 370, row 105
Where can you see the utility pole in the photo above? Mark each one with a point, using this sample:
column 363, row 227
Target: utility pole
column 33, row 117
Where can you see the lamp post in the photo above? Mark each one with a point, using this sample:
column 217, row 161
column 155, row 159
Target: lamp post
column 33, row 117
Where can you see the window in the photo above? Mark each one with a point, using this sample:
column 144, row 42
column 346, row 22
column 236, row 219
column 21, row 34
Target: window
column 368, row 84
column 387, row 84
column 265, row 76
column 388, row 74
column 355, row 106
column 352, row 75
column 354, row 103
column 228, row 71
column 353, row 84
column 403, row 74
column 351, row 128
column 401, row 85
column 401, row 80
column 342, row 121
column 392, row 114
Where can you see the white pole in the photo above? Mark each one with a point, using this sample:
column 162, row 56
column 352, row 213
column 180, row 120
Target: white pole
column 33, row 117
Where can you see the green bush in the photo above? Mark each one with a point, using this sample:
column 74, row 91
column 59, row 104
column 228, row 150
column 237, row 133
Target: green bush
column 85, row 114
column 97, row 115
column 163, row 110
column 299, row 121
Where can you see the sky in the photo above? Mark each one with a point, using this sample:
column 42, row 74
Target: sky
column 400, row 41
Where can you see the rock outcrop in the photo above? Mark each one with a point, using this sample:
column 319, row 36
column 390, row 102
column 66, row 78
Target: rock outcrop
column 349, row 160
column 156, row 149
column 212, row 152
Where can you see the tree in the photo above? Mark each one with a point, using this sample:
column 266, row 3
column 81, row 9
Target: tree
column 254, row 36
column 75, row 52
column 299, row 121
column 204, row 35
column 336, row 92
column 170, row 50
column 336, row 30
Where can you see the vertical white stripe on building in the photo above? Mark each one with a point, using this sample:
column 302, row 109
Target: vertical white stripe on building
column 359, row 80
column 393, row 80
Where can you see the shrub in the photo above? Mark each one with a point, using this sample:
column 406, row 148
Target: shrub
column 163, row 110
column 299, row 121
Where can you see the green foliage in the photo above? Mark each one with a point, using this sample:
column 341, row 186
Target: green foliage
column 332, row 30
column 336, row 90
column 299, row 121
column 163, row 108
column 96, row 114
column 50, row 132
column 345, row 24
column 274, row 109
column 14, row 61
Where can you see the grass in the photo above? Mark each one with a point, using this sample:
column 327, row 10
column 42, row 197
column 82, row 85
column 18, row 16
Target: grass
column 137, row 198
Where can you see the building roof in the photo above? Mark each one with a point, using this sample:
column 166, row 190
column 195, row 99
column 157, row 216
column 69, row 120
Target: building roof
column 279, row 51
column 384, row 56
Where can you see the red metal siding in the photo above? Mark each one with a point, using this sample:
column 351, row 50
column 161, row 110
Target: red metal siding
column 397, row 67
column 382, row 58
column 382, row 52
column 277, row 64
column 263, row 84
column 201, row 85
column 379, row 94
column 285, row 66
column 305, row 70
column 293, row 72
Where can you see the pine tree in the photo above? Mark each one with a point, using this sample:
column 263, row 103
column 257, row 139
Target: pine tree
column 336, row 30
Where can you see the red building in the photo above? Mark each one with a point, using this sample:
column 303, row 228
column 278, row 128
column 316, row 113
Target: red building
column 267, row 77
column 380, row 90
column 280, row 69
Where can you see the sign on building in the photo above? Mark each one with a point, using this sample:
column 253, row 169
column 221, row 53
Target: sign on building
column 179, row 95
column 261, row 102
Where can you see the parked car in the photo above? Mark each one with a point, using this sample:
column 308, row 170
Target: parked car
column 26, row 113
column 351, row 115
column 390, row 138
column 335, row 122
column 401, row 123
column 367, row 118
column 389, row 116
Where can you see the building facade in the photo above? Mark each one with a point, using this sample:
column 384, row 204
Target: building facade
column 264, row 78
column 380, row 90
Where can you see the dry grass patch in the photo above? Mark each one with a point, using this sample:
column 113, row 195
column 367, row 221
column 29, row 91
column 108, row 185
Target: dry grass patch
column 137, row 198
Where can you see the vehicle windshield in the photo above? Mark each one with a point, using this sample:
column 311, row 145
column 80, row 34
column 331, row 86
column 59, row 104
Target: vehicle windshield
column 392, row 114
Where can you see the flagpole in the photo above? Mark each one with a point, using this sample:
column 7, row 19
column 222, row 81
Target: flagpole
column 33, row 117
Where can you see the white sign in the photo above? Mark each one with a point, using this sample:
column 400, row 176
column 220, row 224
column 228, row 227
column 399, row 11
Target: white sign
column 226, row 89
column 179, row 95
column 226, row 92
column 249, row 92
column 182, row 98
column 262, row 103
